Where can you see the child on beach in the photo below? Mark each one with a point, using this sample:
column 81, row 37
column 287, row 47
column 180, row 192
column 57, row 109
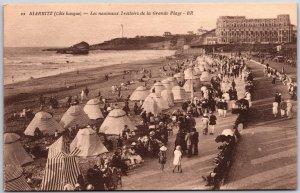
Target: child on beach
column 177, row 159
column 162, row 156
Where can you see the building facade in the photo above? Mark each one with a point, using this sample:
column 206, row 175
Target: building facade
column 238, row 29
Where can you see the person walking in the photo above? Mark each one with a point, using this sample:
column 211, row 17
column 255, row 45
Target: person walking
column 289, row 106
column 188, row 139
column 177, row 159
column 195, row 141
column 283, row 106
column 162, row 156
column 212, row 123
column 275, row 109
column 224, row 107
column 205, row 121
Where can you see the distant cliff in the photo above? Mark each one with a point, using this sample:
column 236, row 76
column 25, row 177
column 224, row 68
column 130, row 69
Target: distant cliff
column 172, row 42
column 77, row 49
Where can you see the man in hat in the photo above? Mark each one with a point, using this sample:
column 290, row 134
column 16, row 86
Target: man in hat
column 195, row 141
column 212, row 123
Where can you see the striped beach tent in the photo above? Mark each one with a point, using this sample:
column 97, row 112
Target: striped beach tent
column 58, row 146
column 88, row 143
column 45, row 122
column 115, row 122
column 14, row 179
column 14, row 152
column 92, row 109
column 139, row 94
column 74, row 116
column 61, row 169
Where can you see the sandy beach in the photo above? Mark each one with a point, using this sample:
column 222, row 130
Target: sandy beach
column 26, row 94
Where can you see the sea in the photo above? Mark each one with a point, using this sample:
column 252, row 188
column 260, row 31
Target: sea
column 21, row 64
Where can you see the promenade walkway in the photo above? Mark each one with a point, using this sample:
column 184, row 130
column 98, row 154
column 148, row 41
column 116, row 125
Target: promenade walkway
column 150, row 177
column 266, row 156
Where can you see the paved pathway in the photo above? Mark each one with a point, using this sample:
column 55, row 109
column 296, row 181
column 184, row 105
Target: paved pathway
column 149, row 176
column 266, row 156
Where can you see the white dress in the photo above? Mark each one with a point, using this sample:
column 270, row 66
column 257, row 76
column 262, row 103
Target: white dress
column 177, row 158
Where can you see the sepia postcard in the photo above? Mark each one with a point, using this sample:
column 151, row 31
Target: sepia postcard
column 199, row 96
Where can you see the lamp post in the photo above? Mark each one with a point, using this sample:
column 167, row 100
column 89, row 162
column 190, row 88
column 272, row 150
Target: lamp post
column 122, row 30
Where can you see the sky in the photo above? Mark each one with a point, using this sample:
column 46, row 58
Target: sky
column 65, row 30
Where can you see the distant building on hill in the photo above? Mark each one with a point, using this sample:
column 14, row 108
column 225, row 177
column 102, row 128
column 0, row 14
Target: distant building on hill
column 167, row 33
column 238, row 29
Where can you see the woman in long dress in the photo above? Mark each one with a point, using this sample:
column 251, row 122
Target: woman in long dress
column 177, row 159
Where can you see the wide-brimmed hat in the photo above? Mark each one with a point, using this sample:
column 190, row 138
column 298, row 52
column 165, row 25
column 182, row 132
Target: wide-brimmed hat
column 163, row 148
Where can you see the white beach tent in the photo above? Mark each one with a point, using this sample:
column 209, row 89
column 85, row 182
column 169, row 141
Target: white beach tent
column 150, row 105
column 190, row 74
column 158, row 87
column 115, row 122
column 166, row 84
column 162, row 104
column 168, row 97
column 74, row 116
column 14, row 181
column 14, row 152
column 46, row 124
column 179, row 76
column 88, row 143
column 189, row 84
column 139, row 94
column 172, row 81
column 179, row 94
column 92, row 109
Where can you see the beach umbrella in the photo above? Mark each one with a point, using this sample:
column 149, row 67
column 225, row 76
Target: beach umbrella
column 168, row 97
column 179, row 94
column 14, row 152
column 14, row 181
column 172, row 81
column 74, row 116
column 139, row 94
column 228, row 132
column 88, row 143
column 166, row 84
column 158, row 87
column 46, row 124
column 115, row 122
column 92, row 109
